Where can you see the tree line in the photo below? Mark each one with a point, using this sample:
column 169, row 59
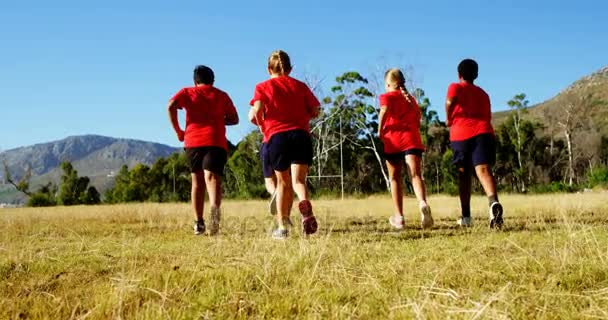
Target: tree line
column 563, row 153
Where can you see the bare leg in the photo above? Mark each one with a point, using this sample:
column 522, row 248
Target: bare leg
column 271, row 184
column 298, row 175
column 284, row 195
column 214, row 188
column 198, row 194
column 464, row 190
column 394, row 172
column 414, row 167
column 484, row 173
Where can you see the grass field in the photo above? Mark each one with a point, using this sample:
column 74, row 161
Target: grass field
column 141, row 261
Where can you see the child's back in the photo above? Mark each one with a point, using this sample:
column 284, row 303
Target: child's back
column 471, row 114
column 288, row 104
column 206, row 108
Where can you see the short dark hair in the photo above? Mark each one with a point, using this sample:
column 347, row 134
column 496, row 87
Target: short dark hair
column 468, row 69
column 203, row 75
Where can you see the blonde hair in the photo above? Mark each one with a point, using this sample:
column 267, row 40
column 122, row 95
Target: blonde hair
column 279, row 62
column 396, row 77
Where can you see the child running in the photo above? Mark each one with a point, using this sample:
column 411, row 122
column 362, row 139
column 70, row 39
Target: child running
column 472, row 139
column 286, row 106
column 208, row 111
column 399, row 129
column 270, row 179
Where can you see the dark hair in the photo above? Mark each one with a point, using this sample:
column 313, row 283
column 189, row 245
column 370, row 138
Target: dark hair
column 468, row 70
column 203, row 75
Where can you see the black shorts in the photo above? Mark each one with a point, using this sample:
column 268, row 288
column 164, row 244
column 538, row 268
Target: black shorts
column 289, row 147
column 475, row 151
column 264, row 157
column 206, row 158
column 399, row 157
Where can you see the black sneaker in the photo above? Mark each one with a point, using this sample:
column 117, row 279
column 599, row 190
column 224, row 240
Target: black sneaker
column 496, row 215
column 199, row 227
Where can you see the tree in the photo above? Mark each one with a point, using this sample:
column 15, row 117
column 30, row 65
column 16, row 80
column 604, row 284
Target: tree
column 23, row 185
column 75, row 190
column 573, row 118
column 519, row 105
column 349, row 111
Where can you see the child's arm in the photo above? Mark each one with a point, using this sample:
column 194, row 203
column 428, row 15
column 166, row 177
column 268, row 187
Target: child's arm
column 381, row 120
column 315, row 111
column 256, row 114
column 449, row 105
column 450, row 102
column 172, row 107
column 231, row 116
column 312, row 104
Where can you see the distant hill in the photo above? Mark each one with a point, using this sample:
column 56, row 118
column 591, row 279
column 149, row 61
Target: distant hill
column 97, row 157
column 595, row 84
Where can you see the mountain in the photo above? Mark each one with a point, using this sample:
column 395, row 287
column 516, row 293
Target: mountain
column 594, row 85
column 97, row 157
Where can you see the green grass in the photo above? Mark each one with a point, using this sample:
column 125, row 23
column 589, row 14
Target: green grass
column 142, row 261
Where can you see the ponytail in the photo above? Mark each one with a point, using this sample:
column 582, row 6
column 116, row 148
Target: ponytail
column 395, row 76
column 405, row 94
column 279, row 62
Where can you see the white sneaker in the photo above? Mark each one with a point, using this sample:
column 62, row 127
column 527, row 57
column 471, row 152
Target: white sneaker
column 396, row 221
column 272, row 204
column 425, row 213
column 496, row 215
column 216, row 216
column 465, row 222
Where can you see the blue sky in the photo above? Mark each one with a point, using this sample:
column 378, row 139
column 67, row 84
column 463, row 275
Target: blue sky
column 109, row 67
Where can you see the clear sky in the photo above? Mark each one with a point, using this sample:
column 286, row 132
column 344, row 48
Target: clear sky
column 109, row 67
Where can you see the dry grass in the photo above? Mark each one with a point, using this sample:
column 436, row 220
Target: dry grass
column 141, row 261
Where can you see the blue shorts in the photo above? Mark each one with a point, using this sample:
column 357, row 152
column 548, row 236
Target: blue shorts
column 266, row 167
column 289, row 147
column 399, row 157
column 474, row 151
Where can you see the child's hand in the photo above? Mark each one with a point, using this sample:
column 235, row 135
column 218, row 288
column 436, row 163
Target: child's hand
column 180, row 135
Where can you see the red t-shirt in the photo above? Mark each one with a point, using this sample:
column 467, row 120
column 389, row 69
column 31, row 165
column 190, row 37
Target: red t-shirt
column 288, row 105
column 471, row 114
column 401, row 124
column 206, row 109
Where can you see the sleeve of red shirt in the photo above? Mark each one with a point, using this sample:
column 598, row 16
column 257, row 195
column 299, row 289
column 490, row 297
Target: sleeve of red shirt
column 229, row 108
column 489, row 108
column 258, row 95
column 311, row 100
column 383, row 100
column 453, row 90
column 180, row 99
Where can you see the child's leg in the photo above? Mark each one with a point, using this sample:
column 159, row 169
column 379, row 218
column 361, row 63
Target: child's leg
column 213, row 182
column 198, row 193
column 271, row 184
column 484, row 173
column 464, row 190
column 298, row 175
column 284, row 195
column 394, row 172
column 484, row 155
column 414, row 165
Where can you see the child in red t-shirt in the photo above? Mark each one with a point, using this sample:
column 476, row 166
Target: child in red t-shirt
column 208, row 111
column 286, row 106
column 472, row 140
column 399, row 129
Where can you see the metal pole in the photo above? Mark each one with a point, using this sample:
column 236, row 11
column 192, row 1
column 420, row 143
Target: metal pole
column 319, row 159
column 341, row 160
